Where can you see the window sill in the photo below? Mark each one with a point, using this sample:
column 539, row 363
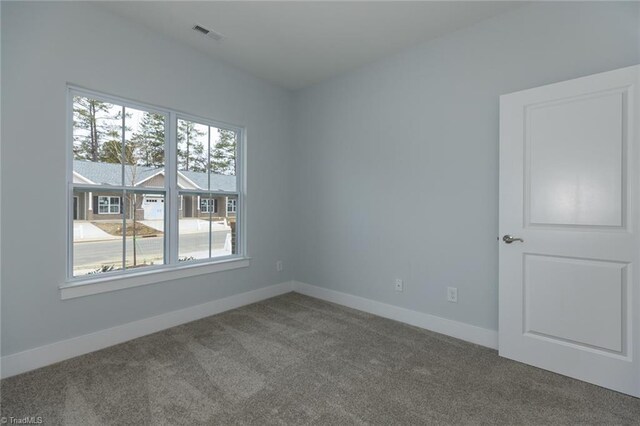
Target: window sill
column 72, row 289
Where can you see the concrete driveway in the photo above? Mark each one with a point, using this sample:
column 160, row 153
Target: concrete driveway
column 86, row 231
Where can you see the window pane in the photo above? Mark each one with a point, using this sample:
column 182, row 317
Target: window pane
column 97, row 142
column 97, row 233
column 145, row 144
column 205, row 229
column 145, row 229
column 98, row 151
column 230, row 245
column 193, row 228
column 222, row 157
column 206, row 157
column 193, row 140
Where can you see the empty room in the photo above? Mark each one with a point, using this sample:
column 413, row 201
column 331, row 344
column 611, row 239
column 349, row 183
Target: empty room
column 319, row 213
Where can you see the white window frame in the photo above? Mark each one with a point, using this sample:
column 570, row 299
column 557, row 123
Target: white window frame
column 234, row 205
column 210, row 205
column 172, row 269
column 109, row 204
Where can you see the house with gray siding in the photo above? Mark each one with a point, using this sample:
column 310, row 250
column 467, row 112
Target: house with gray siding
column 110, row 205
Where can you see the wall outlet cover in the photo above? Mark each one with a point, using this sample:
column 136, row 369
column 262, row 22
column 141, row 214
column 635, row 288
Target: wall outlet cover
column 398, row 284
column 452, row 294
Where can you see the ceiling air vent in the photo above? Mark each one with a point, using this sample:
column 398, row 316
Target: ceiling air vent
column 207, row 32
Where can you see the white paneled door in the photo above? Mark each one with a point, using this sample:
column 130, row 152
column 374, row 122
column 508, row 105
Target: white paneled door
column 569, row 228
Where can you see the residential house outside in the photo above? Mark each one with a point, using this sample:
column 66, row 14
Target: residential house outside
column 96, row 206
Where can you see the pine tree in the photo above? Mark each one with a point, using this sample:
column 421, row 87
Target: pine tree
column 191, row 152
column 223, row 153
column 91, row 121
column 110, row 150
column 149, row 140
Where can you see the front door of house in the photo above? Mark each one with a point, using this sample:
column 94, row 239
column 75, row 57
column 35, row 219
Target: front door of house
column 569, row 228
column 188, row 206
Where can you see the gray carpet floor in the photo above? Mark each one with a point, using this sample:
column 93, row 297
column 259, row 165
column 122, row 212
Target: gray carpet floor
column 298, row 360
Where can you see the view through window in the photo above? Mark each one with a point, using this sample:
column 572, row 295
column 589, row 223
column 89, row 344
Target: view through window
column 121, row 192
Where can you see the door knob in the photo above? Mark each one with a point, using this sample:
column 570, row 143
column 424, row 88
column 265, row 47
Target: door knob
column 510, row 238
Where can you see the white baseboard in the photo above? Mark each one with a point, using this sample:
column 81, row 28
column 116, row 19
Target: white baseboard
column 59, row 351
column 470, row 333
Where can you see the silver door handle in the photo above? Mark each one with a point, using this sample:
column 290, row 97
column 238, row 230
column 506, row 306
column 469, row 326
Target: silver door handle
column 510, row 239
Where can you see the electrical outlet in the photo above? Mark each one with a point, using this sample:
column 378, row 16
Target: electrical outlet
column 452, row 294
column 398, row 284
column 279, row 266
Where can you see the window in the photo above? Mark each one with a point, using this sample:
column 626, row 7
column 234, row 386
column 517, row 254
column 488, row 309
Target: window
column 132, row 181
column 232, row 205
column 108, row 205
column 208, row 205
column 207, row 162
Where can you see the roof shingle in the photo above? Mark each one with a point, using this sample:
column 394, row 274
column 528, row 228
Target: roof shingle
column 111, row 174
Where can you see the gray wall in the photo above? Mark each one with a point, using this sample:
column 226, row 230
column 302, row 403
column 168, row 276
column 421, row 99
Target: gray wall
column 387, row 171
column 396, row 163
column 46, row 45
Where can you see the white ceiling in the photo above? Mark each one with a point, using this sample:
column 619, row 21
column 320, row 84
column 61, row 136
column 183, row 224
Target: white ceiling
column 295, row 44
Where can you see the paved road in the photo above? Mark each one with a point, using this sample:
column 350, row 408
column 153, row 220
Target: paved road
column 98, row 253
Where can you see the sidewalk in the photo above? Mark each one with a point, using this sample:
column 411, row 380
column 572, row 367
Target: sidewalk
column 188, row 226
column 85, row 232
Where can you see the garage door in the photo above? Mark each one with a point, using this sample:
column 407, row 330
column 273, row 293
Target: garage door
column 153, row 208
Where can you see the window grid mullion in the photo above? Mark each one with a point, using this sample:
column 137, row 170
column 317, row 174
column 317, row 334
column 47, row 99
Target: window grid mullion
column 171, row 185
column 209, row 185
column 124, row 193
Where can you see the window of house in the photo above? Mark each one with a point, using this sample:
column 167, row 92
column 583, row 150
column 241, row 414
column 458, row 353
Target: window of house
column 232, row 205
column 145, row 182
column 108, row 205
column 208, row 205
